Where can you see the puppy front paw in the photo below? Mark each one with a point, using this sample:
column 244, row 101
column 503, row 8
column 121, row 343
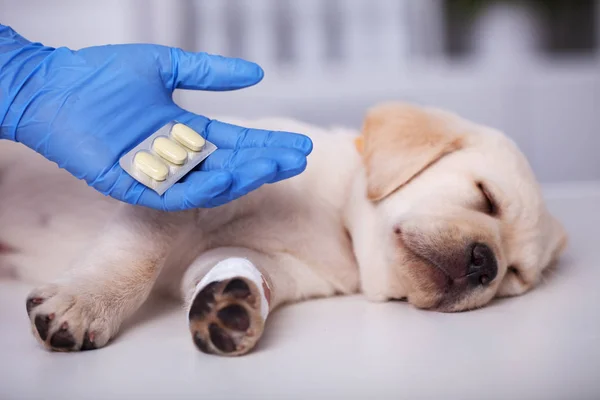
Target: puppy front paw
column 64, row 320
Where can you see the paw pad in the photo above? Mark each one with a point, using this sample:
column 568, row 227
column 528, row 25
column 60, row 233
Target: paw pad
column 225, row 317
column 62, row 321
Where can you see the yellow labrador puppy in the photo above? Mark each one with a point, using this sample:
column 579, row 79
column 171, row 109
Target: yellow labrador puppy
column 422, row 205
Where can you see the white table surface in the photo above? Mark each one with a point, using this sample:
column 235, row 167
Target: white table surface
column 544, row 345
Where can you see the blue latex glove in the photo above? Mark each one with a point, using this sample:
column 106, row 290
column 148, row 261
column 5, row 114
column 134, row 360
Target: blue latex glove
column 84, row 109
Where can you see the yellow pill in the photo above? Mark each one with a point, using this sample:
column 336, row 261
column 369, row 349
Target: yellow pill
column 151, row 166
column 188, row 137
column 169, row 150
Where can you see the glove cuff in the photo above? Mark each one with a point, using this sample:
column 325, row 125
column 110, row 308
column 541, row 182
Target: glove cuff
column 7, row 34
column 19, row 58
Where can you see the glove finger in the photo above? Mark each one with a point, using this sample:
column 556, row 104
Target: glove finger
column 198, row 188
column 252, row 175
column 246, row 179
column 289, row 173
column 231, row 160
column 203, row 71
column 227, row 136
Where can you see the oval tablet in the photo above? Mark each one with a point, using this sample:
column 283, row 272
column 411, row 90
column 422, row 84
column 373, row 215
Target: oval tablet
column 188, row 137
column 151, row 166
column 169, row 150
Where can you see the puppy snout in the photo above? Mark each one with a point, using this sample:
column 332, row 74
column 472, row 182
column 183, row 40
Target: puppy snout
column 483, row 267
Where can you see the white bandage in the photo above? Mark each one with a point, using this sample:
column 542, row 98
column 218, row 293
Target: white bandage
column 237, row 268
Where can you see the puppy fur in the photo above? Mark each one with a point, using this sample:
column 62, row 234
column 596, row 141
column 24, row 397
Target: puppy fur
column 396, row 218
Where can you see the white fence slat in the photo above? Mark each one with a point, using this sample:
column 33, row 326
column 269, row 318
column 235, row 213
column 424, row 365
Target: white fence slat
column 353, row 36
column 308, row 34
column 393, row 34
column 425, row 28
column 260, row 32
column 375, row 33
column 161, row 17
column 211, row 26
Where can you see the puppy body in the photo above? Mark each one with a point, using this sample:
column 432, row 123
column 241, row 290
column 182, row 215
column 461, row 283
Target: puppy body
column 374, row 223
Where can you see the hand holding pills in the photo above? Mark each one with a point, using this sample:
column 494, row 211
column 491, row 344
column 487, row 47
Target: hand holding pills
column 166, row 156
column 87, row 109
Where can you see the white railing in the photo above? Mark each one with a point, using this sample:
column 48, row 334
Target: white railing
column 390, row 50
column 369, row 31
column 328, row 60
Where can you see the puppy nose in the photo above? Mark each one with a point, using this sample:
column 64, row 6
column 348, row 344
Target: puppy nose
column 483, row 266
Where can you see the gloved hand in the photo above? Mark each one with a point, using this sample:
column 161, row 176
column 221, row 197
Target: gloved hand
column 84, row 109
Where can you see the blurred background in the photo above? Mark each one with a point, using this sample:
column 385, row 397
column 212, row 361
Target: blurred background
column 528, row 67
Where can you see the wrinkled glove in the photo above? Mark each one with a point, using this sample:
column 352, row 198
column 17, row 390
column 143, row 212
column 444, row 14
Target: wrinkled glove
column 84, row 109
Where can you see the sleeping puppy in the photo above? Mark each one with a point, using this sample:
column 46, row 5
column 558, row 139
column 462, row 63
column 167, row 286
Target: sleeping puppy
column 423, row 205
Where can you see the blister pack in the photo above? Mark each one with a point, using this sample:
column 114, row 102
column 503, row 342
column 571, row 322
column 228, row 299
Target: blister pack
column 166, row 156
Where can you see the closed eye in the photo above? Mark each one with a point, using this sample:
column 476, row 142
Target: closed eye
column 489, row 205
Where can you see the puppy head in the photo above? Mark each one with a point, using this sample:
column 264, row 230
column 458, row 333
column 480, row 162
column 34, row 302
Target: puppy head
column 462, row 215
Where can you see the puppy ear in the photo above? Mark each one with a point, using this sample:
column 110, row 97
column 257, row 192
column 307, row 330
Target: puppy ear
column 400, row 141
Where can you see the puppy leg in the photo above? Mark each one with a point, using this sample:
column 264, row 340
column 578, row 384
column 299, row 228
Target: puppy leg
column 229, row 293
column 85, row 308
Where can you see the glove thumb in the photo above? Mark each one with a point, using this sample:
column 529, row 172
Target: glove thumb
column 203, row 71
